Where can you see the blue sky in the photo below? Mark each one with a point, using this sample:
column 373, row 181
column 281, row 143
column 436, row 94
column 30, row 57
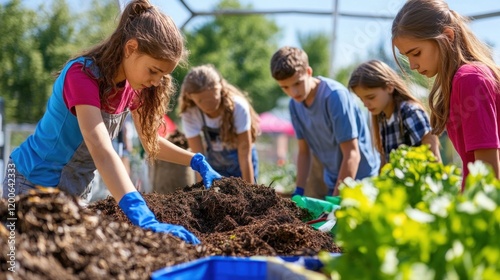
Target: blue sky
column 355, row 37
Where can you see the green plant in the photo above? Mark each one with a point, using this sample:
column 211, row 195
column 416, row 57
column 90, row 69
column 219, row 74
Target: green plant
column 411, row 222
column 281, row 178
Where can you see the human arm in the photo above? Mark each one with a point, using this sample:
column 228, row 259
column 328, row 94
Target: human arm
column 349, row 124
column 196, row 146
column 303, row 163
column 242, row 121
column 472, row 124
column 115, row 176
column 170, row 152
column 433, row 142
column 491, row 157
column 473, row 115
column 351, row 158
column 245, row 156
column 98, row 142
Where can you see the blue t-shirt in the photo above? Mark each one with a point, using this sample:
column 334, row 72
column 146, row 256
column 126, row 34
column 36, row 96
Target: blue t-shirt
column 334, row 117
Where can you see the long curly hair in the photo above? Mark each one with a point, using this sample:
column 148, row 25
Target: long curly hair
column 205, row 77
column 427, row 20
column 157, row 36
column 377, row 74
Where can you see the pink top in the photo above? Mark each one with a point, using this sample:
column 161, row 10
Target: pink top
column 474, row 120
column 79, row 89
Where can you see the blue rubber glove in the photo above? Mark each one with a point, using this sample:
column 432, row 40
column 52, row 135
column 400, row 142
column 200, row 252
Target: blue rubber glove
column 199, row 164
column 298, row 191
column 134, row 206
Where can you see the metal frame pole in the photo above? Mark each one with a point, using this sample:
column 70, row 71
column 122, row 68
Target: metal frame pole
column 335, row 15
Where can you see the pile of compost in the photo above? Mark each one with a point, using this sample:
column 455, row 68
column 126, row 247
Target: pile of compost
column 56, row 238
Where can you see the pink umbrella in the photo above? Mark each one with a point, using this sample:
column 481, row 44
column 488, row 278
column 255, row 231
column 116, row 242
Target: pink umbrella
column 270, row 123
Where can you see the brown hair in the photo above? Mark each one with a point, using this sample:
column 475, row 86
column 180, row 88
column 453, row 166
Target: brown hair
column 205, row 77
column 287, row 61
column 377, row 74
column 427, row 20
column 157, row 36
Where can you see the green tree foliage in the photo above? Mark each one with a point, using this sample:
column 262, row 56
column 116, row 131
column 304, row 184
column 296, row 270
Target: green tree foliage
column 343, row 75
column 98, row 23
column 22, row 63
column 35, row 45
column 316, row 45
column 55, row 35
column 240, row 47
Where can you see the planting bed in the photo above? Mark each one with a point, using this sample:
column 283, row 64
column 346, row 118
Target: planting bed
column 56, row 238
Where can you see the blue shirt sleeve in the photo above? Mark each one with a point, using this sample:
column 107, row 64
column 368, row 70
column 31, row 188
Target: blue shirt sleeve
column 343, row 115
column 294, row 119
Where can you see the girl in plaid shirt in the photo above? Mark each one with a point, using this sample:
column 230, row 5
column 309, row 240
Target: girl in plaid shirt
column 397, row 117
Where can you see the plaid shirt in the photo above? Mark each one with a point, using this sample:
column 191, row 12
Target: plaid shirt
column 408, row 125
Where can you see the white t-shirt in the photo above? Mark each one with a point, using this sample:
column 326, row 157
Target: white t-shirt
column 192, row 121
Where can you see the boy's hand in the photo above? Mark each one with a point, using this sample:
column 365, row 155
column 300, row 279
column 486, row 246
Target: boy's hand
column 298, row 191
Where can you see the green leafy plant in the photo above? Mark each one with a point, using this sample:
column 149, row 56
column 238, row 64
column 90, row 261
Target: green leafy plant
column 412, row 222
column 281, row 178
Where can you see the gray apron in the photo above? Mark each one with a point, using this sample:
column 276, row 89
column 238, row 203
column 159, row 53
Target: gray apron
column 223, row 160
column 78, row 174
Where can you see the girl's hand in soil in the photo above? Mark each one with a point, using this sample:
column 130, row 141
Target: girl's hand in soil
column 134, row 206
column 175, row 230
column 207, row 173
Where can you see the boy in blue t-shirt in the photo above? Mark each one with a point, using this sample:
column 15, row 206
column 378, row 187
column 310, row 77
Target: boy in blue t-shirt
column 327, row 121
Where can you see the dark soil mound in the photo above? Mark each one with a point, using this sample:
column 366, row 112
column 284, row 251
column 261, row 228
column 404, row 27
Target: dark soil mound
column 58, row 239
column 234, row 218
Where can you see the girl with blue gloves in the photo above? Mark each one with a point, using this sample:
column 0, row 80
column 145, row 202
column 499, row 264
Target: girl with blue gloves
column 219, row 121
column 94, row 92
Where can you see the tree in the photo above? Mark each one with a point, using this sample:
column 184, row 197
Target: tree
column 62, row 34
column 35, row 45
column 55, row 35
column 240, row 47
column 22, row 70
column 316, row 45
column 98, row 23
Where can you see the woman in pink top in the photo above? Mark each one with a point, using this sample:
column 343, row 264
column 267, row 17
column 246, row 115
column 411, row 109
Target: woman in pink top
column 464, row 99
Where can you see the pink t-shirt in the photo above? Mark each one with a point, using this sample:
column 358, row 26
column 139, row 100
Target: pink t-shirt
column 80, row 89
column 474, row 120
